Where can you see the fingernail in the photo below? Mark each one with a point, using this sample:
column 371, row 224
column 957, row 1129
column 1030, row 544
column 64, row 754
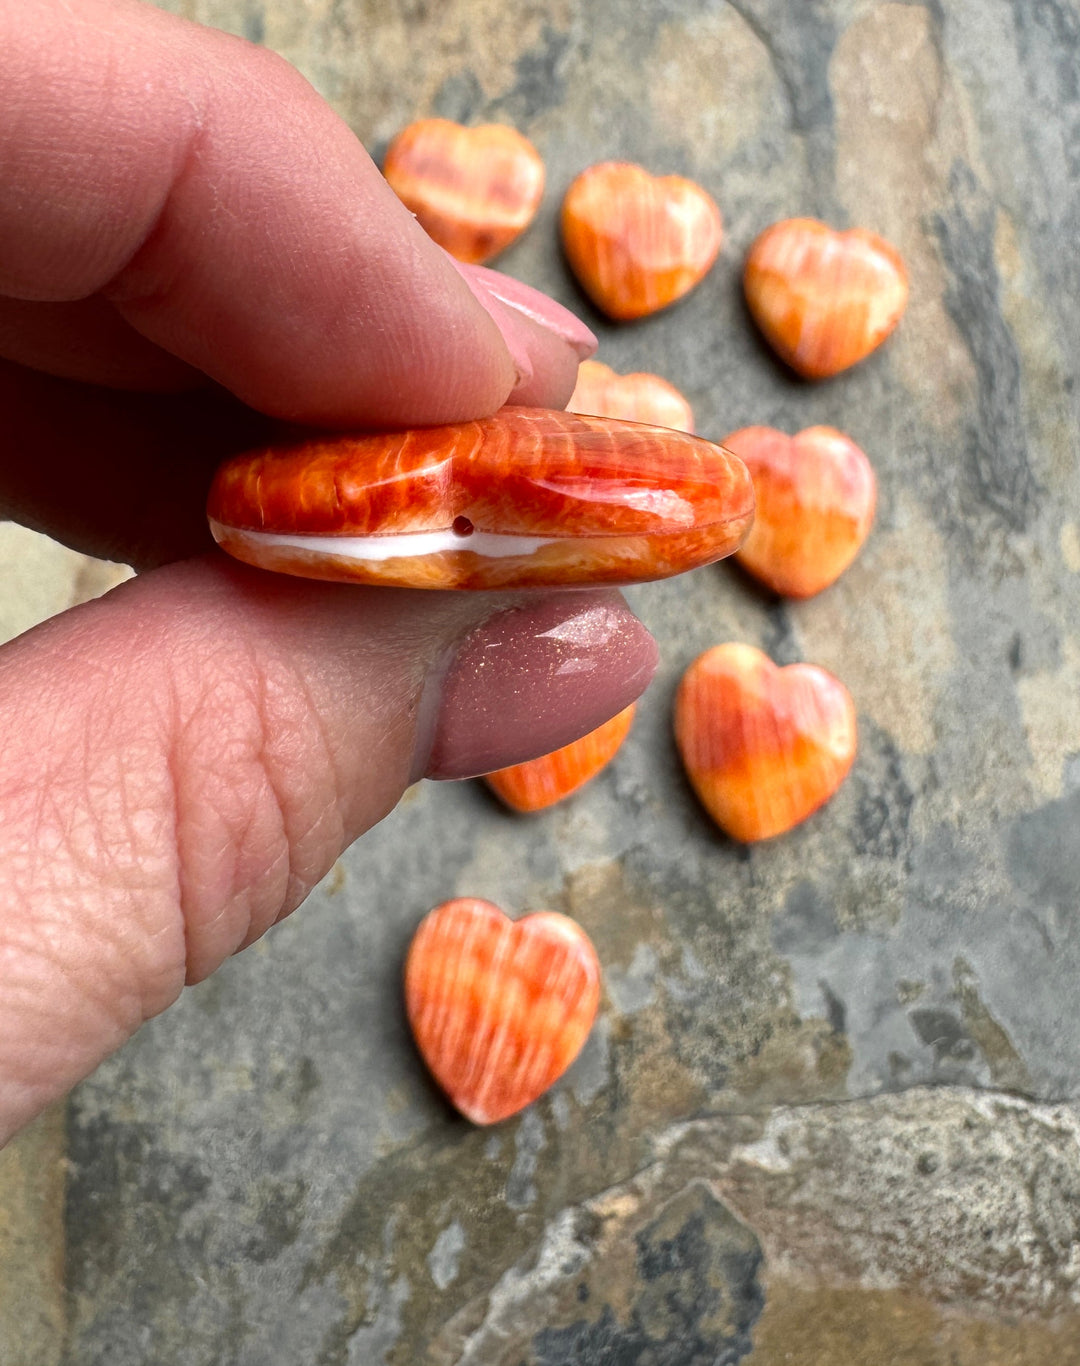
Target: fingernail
column 538, row 307
column 531, row 679
column 516, row 333
column 545, row 340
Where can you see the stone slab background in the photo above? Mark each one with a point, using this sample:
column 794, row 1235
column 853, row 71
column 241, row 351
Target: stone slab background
column 829, row 1111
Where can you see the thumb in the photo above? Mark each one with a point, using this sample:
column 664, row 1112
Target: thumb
column 185, row 758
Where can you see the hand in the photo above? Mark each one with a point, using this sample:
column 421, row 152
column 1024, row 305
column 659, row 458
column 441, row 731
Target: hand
column 191, row 246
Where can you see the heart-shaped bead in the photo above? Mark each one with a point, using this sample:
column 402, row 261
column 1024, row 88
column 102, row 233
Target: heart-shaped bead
column 525, row 498
column 474, row 190
column 640, row 397
column 824, row 299
column 542, row 782
column 638, row 242
column 763, row 747
column 499, row 1008
column 815, row 503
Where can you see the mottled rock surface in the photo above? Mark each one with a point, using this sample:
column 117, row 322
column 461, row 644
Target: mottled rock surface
column 828, row 1113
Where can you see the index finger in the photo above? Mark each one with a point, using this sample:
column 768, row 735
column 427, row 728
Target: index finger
column 203, row 188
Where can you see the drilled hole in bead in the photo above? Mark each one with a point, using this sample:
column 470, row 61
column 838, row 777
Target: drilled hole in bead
column 462, row 526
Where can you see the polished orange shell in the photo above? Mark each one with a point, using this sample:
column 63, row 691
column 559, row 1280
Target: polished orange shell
column 639, row 397
column 474, row 190
column 526, row 498
column 542, row 782
column 499, row 1008
column 763, row 747
column 815, row 497
column 824, row 299
column 638, row 242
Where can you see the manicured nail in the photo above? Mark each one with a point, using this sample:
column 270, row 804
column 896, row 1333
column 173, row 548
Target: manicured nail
column 545, row 340
column 536, row 306
column 529, row 680
column 518, row 335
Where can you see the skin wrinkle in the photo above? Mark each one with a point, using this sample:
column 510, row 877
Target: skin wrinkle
column 114, row 116
column 89, row 830
column 276, row 806
column 47, row 967
column 85, row 834
column 222, row 266
column 83, row 839
column 116, row 831
column 123, row 1010
column 259, row 841
column 212, row 777
column 173, row 732
column 118, row 289
column 38, row 978
column 329, row 813
column 84, row 819
column 390, row 725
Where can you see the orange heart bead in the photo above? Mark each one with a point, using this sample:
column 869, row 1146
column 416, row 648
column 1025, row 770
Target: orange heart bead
column 526, row 498
column 640, row 397
column 824, row 299
column 474, row 190
column 638, row 242
column 542, row 782
column 815, row 497
column 499, row 1008
column 763, row 747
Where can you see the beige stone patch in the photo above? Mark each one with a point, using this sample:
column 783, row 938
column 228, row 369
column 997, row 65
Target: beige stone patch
column 829, row 1327
column 628, row 933
column 711, row 82
column 908, row 991
column 96, row 577
column 1069, row 541
column 884, row 628
column 1007, row 1069
column 38, row 577
column 900, row 125
column 802, row 1061
column 32, row 1293
column 1050, row 709
column 216, row 13
column 335, row 879
column 1008, row 255
column 1025, row 309
column 288, row 28
column 355, row 54
column 617, row 919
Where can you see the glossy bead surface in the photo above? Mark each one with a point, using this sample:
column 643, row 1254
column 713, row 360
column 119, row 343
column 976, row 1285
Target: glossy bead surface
column 824, row 299
column 499, row 1008
column 815, row 496
column 539, row 783
column 527, row 498
column 638, row 397
column 474, row 190
column 763, row 747
column 638, row 242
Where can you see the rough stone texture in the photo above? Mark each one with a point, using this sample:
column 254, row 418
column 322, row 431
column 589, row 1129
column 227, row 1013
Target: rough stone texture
column 32, row 1310
column 789, row 1138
